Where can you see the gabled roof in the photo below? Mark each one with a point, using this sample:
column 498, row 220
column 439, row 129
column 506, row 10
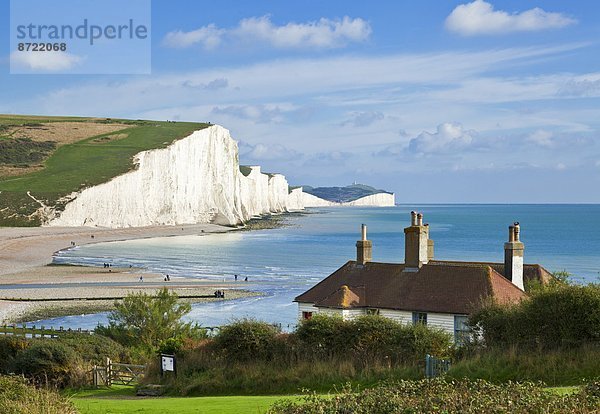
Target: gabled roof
column 531, row 272
column 345, row 297
column 444, row 287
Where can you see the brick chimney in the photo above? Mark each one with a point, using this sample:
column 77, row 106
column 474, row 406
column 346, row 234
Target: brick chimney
column 513, row 257
column 364, row 247
column 418, row 249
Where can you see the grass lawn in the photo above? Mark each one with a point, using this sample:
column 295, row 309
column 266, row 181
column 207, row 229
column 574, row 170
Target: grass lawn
column 122, row 400
column 563, row 390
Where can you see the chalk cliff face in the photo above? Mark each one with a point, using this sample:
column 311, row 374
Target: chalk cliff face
column 195, row 180
column 374, row 200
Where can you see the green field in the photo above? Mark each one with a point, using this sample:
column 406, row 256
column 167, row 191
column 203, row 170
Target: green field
column 122, row 400
column 88, row 162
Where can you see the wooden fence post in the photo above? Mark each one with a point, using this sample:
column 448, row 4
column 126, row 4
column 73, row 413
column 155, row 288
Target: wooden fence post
column 108, row 372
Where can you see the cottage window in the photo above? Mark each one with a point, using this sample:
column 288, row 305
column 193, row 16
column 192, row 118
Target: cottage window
column 419, row 317
column 306, row 315
column 372, row 311
column 461, row 329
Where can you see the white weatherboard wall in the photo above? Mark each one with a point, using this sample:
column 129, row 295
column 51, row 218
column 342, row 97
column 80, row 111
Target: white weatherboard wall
column 443, row 321
column 194, row 180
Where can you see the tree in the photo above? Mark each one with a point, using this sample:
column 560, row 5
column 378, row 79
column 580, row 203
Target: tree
column 147, row 321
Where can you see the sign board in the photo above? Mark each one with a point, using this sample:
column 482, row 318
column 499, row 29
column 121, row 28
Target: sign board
column 167, row 363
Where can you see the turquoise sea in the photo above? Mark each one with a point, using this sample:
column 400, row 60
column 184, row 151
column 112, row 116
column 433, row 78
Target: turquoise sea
column 283, row 262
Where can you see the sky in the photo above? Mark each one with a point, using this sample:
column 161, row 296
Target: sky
column 436, row 100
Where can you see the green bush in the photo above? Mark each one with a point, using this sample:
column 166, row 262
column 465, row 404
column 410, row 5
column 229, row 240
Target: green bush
column 171, row 346
column 563, row 366
column 557, row 316
column 92, row 348
column 369, row 338
column 19, row 397
column 48, row 362
column 439, row 396
column 145, row 321
column 246, row 340
column 10, row 346
column 323, row 335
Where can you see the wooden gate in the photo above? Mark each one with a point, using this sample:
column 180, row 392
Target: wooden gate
column 435, row 367
column 115, row 373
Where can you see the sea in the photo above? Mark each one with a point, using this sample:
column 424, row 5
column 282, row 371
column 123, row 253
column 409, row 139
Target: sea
column 283, row 262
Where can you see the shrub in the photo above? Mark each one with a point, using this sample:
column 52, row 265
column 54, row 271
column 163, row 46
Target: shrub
column 10, row 346
column 413, row 342
column 246, row 340
column 592, row 388
column 371, row 337
column 563, row 366
column 92, row 348
column 19, row 397
column 48, row 362
column 171, row 346
column 556, row 316
column 323, row 335
column 146, row 321
column 435, row 396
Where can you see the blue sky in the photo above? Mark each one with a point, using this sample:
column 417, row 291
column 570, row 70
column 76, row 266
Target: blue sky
column 439, row 101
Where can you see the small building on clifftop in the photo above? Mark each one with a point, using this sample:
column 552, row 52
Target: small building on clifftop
column 421, row 290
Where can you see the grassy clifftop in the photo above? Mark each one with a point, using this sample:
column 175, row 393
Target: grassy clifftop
column 51, row 157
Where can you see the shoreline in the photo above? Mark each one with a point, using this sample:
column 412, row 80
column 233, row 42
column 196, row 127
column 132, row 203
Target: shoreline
column 27, row 271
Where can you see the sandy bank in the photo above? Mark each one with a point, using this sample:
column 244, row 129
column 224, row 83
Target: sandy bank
column 25, row 274
column 23, row 248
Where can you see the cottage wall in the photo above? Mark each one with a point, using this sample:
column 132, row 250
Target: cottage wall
column 443, row 321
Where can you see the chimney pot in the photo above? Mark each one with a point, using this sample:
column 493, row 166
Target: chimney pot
column 511, row 234
column 364, row 232
column 413, row 218
column 419, row 219
column 517, row 229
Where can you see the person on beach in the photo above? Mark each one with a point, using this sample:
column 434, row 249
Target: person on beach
column 141, row 278
column 235, row 276
column 168, row 278
column 246, row 279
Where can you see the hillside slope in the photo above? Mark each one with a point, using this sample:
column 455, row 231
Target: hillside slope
column 83, row 152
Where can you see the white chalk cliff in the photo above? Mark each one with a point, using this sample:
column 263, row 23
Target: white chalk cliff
column 196, row 179
column 373, row 200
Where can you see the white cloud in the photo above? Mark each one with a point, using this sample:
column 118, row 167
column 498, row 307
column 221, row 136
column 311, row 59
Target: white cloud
column 260, row 151
column 480, row 18
column 324, row 34
column 257, row 113
column 542, row 138
column 448, row 136
column 44, row 61
column 582, row 86
column 363, row 118
column 213, row 85
column 208, row 36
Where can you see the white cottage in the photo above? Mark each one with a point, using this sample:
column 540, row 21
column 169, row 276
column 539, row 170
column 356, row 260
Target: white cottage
column 421, row 290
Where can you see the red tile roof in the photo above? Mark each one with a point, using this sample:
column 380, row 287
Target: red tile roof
column 439, row 286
